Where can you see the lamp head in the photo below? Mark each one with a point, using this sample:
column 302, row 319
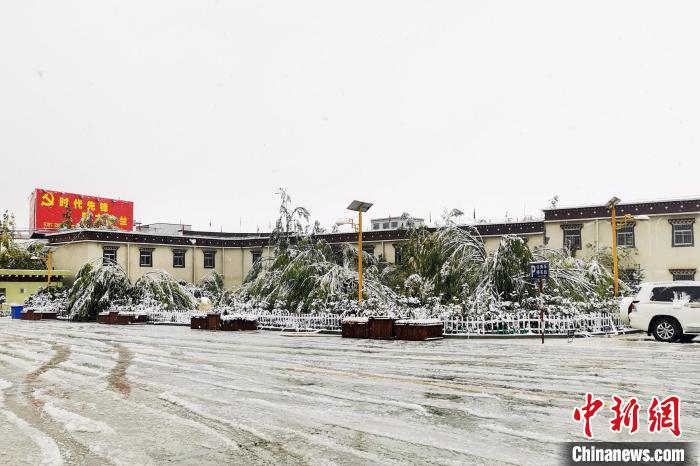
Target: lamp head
column 613, row 202
column 360, row 206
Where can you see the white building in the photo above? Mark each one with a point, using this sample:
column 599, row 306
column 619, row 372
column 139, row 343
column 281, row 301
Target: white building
column 393, row 223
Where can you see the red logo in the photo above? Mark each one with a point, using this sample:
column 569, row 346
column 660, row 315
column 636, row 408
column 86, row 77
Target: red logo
column 586, row 412
column 662, row 415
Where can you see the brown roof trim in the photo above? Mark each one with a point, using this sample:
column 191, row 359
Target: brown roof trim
column 30, row 278
column 519, row 228
column 639, row 208
column 486, row 229
column 216, row 234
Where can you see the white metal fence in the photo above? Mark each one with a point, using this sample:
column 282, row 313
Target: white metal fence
column 283, row 319
column 518, row 324
column 523, row 324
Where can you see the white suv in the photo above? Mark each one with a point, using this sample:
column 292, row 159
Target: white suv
column 668, row 310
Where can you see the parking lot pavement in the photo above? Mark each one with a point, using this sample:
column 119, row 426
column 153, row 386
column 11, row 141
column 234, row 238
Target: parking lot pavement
column 83, row 393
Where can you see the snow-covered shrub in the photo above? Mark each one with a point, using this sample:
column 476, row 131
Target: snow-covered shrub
column 305, row 271
column 160, row 288
column 212, row 286
column 96, row 288
column 48, row 299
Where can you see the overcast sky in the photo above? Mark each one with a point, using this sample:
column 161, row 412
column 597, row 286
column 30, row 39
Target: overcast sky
column 199, row 110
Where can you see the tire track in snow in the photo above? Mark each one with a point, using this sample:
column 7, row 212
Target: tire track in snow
column 117, row 376
column 28, row 410
column 261, row 446
column 61, row 354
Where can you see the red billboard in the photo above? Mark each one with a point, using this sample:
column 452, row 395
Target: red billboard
column 52, row 209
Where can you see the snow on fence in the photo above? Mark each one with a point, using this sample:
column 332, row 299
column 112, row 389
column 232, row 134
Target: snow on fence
column 175, row 317
column 591, row 323
column 283, row 319
column 519, row 324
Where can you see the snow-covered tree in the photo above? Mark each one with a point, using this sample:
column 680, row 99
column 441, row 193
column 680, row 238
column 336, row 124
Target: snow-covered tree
column 160, row 289
column 96, row 288
column 17, row 254
column 212, row 286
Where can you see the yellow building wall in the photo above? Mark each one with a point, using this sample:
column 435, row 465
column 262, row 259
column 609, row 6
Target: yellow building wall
column 653, row 251
column 17, row 292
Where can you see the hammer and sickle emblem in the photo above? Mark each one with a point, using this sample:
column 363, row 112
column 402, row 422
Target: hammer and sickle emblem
column 47, row 200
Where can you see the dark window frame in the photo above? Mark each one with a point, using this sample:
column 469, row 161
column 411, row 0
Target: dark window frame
column 256, row 256
column 683, row 274
column 687, row 227
column 626, row 236
column 209, row 259
column 575, row 232
column 146, row 253
column 398, row 254
column 179, row 254
column 107, row 252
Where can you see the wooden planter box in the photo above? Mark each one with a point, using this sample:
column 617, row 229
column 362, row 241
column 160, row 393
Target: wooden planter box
column 381, row 328
column 107, row 317
column 213, row 321
column 139, row 319
column 418, row 331
column 239, row 324
column 122, row 319
column 355, row 328
column 115, row 318
column 208, row 322
column 29, row 314
column 199, row 322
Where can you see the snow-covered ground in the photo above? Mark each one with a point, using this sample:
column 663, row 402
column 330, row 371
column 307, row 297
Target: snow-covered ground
column 83, row 393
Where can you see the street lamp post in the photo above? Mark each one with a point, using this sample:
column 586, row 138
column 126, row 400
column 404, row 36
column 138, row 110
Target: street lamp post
column 612, row 205
column 359, row 207
column 48, row 265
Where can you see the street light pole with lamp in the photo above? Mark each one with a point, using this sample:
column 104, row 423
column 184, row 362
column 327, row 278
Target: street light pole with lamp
column 47, row 261
column 612, row 205
column 359, row 207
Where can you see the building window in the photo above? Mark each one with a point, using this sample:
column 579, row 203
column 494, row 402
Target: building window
column 385, row 225
column 109, row 255
column 398, row 254
column 683, row 274
column 3, row 293
column 146, row 257
column 625, row 236
column 257, row 256
column 572, row 237
column 22, row 290
column 209, row 259
column 179, row 258
column 682, row 232
column 394, row 224
column 375, row 226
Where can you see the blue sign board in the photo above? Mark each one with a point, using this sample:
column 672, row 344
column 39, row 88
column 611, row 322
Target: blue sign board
column 539, row 269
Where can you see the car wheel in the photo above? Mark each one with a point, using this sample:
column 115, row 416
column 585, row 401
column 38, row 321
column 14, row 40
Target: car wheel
column 666, row 329
column 687, row 338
